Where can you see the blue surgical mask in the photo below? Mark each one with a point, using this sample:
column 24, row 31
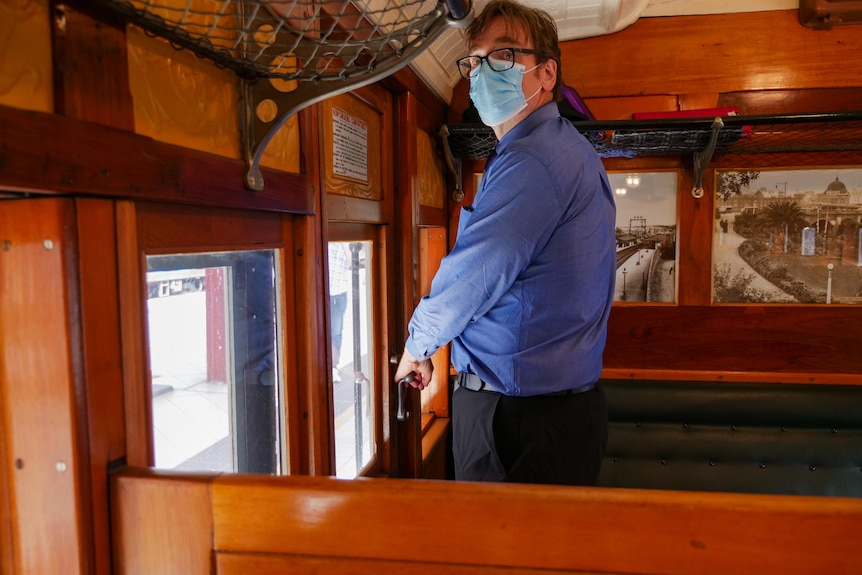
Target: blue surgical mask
column 498, row 96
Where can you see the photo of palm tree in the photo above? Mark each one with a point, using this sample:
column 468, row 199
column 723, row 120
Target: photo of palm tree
column 788, row 236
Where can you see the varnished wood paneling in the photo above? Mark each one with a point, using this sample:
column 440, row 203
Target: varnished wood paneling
column 346, row 208
column 522, row 527
column 162, row 226
column 406, row 80
column 102, row 363
column 774, row 338
column 39, row 385
column 794, row 101
column 85, row 158
column 265, row 524
column 714, row 54
column 259, row 564
column 694, row 268
column 91, row 80
column 732, row 376
column 313, row 401
column 623, row 107
column 161, row 526
column 137, row 391
column 7, row 554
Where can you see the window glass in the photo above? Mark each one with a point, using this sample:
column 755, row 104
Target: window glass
column 214, row 361
column 353, row 372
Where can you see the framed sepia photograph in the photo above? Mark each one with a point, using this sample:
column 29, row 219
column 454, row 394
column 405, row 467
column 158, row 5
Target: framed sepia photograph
column 646, row 233
column 788, row 236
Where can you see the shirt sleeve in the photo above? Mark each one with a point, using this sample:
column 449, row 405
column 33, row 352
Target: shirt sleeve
column 514, row 215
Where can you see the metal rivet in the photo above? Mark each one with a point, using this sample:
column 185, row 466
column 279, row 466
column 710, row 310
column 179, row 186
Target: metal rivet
column 61, row 466
column 783, row 428
column 664, row 461
column 763, row 466
column 733, row 427
column 812, row 468
column 712, row 463
column 685, row 426
column 48, row 244
column 834, row 430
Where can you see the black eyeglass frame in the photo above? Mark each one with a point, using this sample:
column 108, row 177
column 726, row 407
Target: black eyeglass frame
column 468, row 70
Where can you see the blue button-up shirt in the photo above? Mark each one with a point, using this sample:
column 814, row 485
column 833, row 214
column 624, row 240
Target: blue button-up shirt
column 524, row 295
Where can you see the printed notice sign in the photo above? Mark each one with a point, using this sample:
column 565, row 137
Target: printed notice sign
column 349, row 146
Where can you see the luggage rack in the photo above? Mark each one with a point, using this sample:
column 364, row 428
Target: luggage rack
column 705, row 137
column 290, row 54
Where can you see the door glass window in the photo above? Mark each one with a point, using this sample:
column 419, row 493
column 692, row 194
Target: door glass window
column 353, row 371
column 214, row 360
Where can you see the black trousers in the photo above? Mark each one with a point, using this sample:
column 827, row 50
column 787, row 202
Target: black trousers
column 542, row 439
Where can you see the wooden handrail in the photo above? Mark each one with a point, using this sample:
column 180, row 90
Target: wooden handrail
column 178, row 523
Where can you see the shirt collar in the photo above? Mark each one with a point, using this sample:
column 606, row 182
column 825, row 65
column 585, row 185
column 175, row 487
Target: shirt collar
column 547, row 112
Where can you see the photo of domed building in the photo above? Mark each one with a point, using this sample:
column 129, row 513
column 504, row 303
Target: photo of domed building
column 789, row 236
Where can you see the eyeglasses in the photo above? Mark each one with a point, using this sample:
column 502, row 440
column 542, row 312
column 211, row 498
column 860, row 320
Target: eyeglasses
column 498, row 60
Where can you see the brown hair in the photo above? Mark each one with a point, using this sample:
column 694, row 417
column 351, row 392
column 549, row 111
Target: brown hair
column 537, row 24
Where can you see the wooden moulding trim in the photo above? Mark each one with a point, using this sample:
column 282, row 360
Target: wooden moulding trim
column 732, row 376
column 52, row 154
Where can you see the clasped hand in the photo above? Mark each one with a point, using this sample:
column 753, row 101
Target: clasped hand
column 422, row 370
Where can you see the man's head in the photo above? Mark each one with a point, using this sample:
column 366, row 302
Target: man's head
column 534, row 27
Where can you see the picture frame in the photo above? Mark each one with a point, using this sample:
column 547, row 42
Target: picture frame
column 788, row 236
column 646, row 233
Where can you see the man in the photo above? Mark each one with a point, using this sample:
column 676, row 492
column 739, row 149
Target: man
column 339, row 284
column 525, row 294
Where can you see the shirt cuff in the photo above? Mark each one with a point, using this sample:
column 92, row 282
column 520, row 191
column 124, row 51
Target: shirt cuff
column 414, row 351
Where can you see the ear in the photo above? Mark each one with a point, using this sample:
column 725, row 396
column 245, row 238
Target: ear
column 548, row 74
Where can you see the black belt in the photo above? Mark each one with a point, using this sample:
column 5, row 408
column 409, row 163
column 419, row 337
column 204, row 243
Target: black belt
column 474, row 383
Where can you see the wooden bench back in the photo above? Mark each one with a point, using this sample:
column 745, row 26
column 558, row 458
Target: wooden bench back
column 171, row 523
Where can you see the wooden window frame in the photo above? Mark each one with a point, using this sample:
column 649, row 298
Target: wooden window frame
column 150, row 229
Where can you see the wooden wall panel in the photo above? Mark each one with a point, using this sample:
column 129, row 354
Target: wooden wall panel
column 102, row 363
column 261, row 524
column 161, row 526
column 86, row 158
column 261, row 564
column 39, row 382
column 91, row 80
column 724, row 60
column 714, row 54
column 784, row 340
column 548, row 527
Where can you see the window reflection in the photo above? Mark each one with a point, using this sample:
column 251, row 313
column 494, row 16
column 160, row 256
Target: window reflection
column 213, row 340
column 351, row 289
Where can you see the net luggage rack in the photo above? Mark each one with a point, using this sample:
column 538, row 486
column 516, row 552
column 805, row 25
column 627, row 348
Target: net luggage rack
column 290, row 54
column 762, row 134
